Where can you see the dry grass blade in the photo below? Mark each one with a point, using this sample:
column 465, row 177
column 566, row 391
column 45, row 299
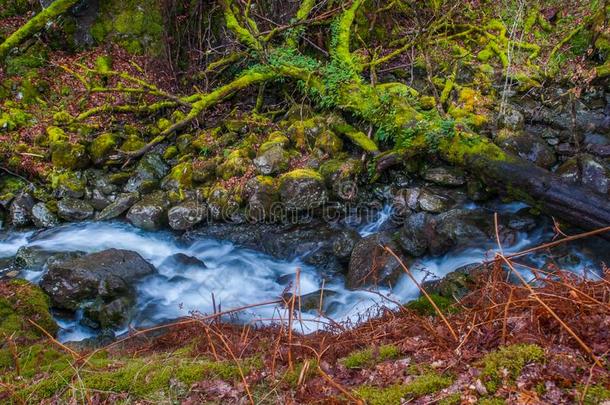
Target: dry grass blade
column 75, row 355
column 535, row 296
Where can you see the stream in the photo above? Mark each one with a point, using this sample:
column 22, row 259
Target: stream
column 237, row 277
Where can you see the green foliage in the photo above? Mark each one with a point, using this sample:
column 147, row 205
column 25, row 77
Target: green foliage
column 422, row 385
column 508, row 360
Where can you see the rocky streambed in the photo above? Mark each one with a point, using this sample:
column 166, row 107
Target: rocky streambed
column 106, row 277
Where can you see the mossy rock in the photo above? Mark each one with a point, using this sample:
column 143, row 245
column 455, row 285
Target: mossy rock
column 66, row 183
column 21, row 301
column 13, row 118
column 302, row 189
column 136, row 25
column 223, row 203
column 235, row 165
column 132, row 143
column 10, row 186
column 103, row 147
column 329, row 143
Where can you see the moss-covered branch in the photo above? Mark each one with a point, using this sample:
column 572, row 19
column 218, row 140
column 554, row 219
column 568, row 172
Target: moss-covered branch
column 34, row 25
column 340, row 47
column 243, row 34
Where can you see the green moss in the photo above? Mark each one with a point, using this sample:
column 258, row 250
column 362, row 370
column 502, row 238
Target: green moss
column 292, row 377
column 103, row 146
column 453, row 399
column 422, row 385
column 13, row 118
column 132, row 143
column 25, row 301
column 508, row 360
column 370, row 357
column 301, row 174
column 182, row 174
column 10, row 186
column 423, row 307
column 170, row 153
column 68, row 180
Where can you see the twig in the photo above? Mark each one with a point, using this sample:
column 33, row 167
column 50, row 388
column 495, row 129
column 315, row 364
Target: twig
column 423, row 291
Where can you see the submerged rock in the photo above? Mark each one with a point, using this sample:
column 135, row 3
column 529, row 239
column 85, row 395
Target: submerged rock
column 181, row 260
column 149, row 212
column 100, row 278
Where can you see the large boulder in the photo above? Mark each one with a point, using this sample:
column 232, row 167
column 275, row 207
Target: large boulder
column 302, row 189
column 100, row 282
column 370, row 263
column 150, row 212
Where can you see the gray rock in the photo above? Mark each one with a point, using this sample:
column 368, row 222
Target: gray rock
column 101, row 277
column 405, row 200
column 32, row 257
column 511, row 119
column 273, row 161
column 456, row 284
column 122, row 203
column 71, row 209
column 302, row 192
column 435, row 200
column 445, row 176
column 413, row 236
column 150, row 212
column 344, row 243
column 527, row 146
column 43, row 217
column 262, row 194
column 186, row 215
column 99, row 200
column 594, row 174
column 20, row 211
column 149, row 171
column 371, row 264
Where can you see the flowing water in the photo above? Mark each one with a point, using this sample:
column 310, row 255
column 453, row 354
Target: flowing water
column 237, row 277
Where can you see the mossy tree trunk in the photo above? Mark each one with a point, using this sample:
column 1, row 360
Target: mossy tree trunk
column 34, row 25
